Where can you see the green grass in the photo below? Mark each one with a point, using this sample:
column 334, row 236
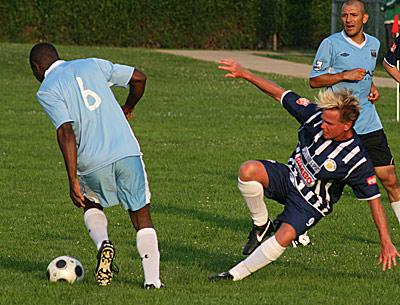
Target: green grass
column 195, row 128
column 308, row 58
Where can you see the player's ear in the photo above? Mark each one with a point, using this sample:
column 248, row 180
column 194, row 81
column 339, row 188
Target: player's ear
column 365, row 18
column 348, row 125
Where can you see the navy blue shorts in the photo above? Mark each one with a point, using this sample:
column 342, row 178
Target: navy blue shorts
column 298, row 213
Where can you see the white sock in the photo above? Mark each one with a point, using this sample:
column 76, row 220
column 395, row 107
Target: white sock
column 396, row 209
column 266, row 253
column 147, row 245
column 96, row 224
column 253, row 194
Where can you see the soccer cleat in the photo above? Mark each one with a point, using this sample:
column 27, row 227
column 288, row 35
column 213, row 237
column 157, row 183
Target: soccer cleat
column 105, row 267
column 257, row 235
column 223, row 276
column 153, row 286
column 302, row 239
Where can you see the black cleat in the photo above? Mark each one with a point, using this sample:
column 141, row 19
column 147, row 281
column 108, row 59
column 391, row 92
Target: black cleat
column 105, row 267
column 257, row 235
column 223, row 276
column 153, row 286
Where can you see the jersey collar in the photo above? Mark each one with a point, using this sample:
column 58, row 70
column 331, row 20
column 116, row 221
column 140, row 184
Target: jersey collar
column 53, row 66
column 349, row 40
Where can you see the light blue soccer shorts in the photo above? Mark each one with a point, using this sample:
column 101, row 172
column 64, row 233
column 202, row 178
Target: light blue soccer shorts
column 124, row 181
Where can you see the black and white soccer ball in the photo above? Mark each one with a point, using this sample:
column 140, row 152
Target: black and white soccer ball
column 65, row 269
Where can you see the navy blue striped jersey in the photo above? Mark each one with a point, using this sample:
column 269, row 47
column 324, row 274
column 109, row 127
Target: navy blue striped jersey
column 393, row 53
column 321, row 168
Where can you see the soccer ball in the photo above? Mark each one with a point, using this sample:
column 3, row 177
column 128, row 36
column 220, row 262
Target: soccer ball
column 65, row 269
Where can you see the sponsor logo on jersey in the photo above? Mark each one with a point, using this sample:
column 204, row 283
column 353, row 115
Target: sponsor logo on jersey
column 371, row 180
column 308, row 178
column 318, row 65
column 303, row 102
column 344, row 54
column 393, row 47
column 310, row 222
column 373, row 53
column 330, row 165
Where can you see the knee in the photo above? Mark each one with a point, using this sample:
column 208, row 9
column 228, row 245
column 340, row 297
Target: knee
column 250, row 170
column 390, row 181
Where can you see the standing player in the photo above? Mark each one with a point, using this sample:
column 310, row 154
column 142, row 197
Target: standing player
column 347, row 60
column 328, row 156
column 101, row 154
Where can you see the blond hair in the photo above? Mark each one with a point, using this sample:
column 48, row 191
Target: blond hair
column 342, row 100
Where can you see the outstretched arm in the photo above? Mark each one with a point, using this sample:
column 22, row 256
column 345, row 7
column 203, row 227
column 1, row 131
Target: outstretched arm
column 237, row 71
column 392, row 71
column 137, row 85
column 67, row 142
column 328, row 80
column 388, row 251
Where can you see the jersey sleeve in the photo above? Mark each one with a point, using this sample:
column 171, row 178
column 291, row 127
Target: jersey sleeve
column 55, row 108
column 393, row 53
column 115, row 74
column 323, row 59
column 299, row 107
column 363, row 182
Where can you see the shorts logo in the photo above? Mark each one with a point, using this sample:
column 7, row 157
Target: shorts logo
column 308, row 179
column 310, row 222
column 303, row 102
column 318, row 65
column 330, row 165
column 393, row 47
column 373, row 53
column 371, row 180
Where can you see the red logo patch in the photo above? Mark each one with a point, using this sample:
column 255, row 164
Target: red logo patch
column 371, row 180
column 303, row 102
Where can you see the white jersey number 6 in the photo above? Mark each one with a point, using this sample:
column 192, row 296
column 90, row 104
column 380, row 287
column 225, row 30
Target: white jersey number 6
column 86, row 93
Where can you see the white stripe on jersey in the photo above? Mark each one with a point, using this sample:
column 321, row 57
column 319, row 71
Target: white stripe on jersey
column 351, row 154
column 363, row 160
column 338, row 149
column 327, row 196
column 318, row 123
column 322, row 147
column 317, row 136
column 313, row 117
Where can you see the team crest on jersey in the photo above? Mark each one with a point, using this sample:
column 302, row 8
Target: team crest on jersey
column 308, row 178
column 303, row 102
column 330, row 165
column 371, row 180
column 373, row 53
column 393, row 47
column 318, row 65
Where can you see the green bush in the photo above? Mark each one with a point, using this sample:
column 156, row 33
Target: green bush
column 228, row 24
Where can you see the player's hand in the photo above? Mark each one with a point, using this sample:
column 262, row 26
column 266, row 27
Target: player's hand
column 373, row 94
column 234, row 68
column 355, row 74
column 76, row 195
column 128, row 112
column 388, row 257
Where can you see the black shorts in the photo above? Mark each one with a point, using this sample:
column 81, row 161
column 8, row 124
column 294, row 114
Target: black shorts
column 377, row 148
column 298, row 212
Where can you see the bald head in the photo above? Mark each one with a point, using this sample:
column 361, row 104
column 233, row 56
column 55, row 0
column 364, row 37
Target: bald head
column 42, row 56
column 359, row 3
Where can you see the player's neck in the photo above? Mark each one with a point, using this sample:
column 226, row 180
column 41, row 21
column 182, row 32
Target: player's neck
column 358, row 38
column 345, row 136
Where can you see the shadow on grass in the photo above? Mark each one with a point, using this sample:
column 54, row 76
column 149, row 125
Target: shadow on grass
column 360, row 239
column 23, row 266
column 230, row 223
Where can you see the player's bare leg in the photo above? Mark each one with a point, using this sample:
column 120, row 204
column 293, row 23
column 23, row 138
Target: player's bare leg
column 387, row 175
column 147, row 246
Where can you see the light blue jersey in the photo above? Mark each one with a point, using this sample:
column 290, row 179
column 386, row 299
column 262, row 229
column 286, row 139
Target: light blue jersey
column 79, row 92
column 338, row 53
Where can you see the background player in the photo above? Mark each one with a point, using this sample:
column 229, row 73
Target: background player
column 346, row 60
column 328, row 156
column 101, row 154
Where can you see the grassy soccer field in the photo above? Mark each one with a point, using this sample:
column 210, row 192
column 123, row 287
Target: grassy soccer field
column 195, row 128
